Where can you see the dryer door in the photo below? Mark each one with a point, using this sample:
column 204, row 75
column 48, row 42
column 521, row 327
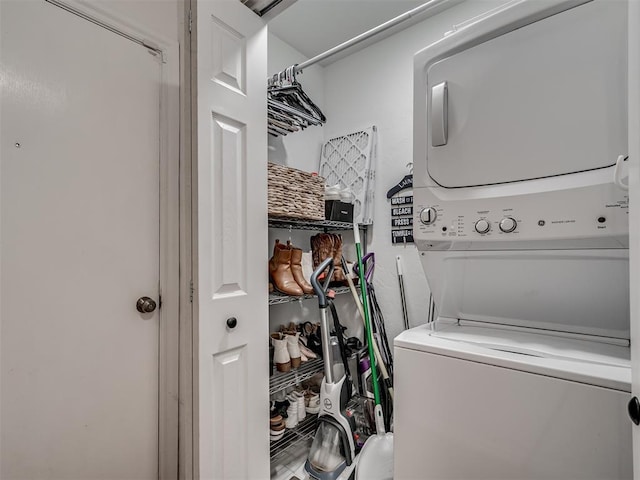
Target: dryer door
column 543, row 100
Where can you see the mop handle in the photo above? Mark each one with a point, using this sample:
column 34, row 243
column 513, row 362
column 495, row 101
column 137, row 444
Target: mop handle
column 403, row 299
column 367, row 323
column 358, row 300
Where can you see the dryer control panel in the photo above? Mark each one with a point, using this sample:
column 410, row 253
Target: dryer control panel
column 595, row 216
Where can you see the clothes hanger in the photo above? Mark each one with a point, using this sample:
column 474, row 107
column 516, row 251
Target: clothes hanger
column 283, row 125
column 297, row 98
column 291, row 74
column 293, row 100
column 404, row 184
column 292, row 121
column 283, row 117
column 289, row 91
column 274, row 133
column 289, row 108
column 286, row 108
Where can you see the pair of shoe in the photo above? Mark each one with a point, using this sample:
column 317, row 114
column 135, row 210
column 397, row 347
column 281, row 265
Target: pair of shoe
column 285, row 270
column 325, row 245
column 277, row 423
column 311, row 337
column 297, row 409
column 305, row 353
column 286, row 352
column 312, row 401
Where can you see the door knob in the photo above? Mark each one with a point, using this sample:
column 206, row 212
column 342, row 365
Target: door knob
column 634, row 410
column 145, row 305
column 232, row 323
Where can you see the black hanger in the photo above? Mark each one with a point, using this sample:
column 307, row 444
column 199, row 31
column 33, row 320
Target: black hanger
column 287, row 99
column 404, row 184
column 295, row 98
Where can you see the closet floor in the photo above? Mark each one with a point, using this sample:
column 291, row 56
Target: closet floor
column 292, row 466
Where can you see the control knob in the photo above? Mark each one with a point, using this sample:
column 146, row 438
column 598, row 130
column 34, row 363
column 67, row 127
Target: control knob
column 482, row 226
column 428, row 215
column 508, row 224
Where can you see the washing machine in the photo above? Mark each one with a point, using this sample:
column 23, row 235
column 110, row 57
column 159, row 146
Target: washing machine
column 521, row 221
column 491, row 403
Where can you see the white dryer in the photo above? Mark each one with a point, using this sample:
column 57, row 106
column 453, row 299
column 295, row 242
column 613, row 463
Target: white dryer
column 522, row 225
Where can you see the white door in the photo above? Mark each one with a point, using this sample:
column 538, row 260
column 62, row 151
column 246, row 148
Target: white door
column 232, row 240
column 79, row 246
column 634, row 219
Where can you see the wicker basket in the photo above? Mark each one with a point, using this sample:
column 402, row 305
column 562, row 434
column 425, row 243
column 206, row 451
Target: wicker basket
column 294, row 193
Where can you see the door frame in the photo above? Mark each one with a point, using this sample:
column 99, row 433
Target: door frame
column 188, row 244
column 172, row 210
column 634, row 202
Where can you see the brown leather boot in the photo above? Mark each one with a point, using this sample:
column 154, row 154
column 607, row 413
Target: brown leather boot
column 296, row 269
column 280, row 271
column 315, row 250
column 321, row 248
column 338, row 274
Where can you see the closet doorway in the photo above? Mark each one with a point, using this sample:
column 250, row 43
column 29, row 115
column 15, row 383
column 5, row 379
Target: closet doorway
column 83, row 248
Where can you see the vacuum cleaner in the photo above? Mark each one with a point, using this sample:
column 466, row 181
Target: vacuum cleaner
column 332, row 454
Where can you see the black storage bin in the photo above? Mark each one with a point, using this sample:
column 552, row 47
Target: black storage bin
column 338, row 211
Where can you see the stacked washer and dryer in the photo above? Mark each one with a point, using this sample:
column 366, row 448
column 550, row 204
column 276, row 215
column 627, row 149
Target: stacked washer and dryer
column 522, row 226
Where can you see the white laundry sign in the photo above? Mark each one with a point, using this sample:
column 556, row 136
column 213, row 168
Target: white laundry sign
column 402, row 222
column 408, row 200
column 400, row 211
column 402, row 236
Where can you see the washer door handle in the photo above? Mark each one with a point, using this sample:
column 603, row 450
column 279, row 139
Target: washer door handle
column 439, row 114
column 634, row 410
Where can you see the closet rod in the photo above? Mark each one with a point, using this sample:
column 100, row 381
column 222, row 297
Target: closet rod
column 370, row 33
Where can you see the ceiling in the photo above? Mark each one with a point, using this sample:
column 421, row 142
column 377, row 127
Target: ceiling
column 315, row 26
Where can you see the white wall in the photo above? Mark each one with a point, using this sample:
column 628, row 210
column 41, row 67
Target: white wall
column 375, row 86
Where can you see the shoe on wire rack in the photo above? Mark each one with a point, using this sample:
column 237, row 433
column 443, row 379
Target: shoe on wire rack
column 281, row 352
column 301, row 406
column 280, row 271
column 306, row 352
column 292, row 412
column 312, row 401
column 293, row 348
column 277, row 430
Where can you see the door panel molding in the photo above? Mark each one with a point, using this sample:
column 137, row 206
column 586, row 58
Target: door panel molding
column 230, row 377
column 228, row 177
column 229, row 60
